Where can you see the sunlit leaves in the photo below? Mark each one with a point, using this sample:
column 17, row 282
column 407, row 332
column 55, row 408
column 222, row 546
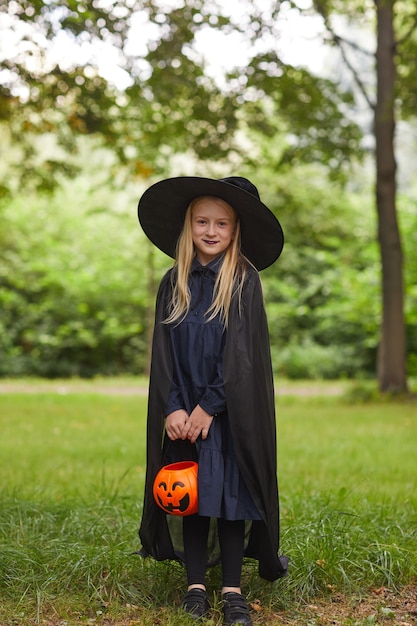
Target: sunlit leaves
column 315, row 112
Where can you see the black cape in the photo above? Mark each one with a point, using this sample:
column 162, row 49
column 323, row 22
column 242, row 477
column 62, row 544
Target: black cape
column 249, row 392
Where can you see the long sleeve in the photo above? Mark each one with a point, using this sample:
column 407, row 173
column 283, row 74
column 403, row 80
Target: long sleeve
column 175, row 399
column 213, row 400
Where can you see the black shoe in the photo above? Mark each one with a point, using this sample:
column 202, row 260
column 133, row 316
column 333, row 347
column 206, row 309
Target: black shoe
column 195, row 602
column 235, row 609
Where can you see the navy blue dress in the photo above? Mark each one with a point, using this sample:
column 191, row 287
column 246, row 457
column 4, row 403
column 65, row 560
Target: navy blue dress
column 197, row 348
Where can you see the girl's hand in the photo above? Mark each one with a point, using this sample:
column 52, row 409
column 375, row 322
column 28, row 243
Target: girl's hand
column 175, row 423
column 198, row 423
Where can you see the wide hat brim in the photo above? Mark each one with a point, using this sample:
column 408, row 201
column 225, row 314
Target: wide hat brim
column 162, row 208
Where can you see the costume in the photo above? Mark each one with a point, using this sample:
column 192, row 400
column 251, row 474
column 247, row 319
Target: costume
column 249, row 396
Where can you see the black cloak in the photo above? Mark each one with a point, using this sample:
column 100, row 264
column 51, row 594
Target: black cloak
column 249, row 390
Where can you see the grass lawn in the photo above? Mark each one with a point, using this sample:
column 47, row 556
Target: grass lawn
column 72, row 464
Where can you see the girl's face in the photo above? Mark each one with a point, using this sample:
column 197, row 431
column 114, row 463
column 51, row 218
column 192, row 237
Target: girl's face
column 213, row 224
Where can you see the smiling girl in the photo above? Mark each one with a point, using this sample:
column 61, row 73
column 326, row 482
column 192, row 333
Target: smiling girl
column 211, row 395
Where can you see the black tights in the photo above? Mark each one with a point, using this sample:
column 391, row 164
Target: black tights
column 231, row 539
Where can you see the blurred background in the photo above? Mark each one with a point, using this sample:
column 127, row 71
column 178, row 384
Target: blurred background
column 313, row 101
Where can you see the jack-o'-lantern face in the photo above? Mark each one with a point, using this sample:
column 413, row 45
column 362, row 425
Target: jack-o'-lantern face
column 175, row 488
column 173, row 496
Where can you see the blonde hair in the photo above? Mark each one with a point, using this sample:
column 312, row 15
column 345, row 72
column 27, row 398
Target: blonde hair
column 229, row 280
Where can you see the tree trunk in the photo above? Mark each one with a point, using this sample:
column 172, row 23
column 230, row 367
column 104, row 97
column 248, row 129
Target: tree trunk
column 392, row 351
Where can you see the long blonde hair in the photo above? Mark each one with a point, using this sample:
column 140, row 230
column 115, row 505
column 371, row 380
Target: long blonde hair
column 229, row 280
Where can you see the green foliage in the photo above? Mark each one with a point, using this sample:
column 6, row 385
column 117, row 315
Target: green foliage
column 176, row 106
column 168, row 102
column 72, row 306
column 75, row 291
column 313, row 110
column 72, row 283
column 322, row 296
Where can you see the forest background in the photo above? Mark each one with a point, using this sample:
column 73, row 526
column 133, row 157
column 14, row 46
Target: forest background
column 99, row 99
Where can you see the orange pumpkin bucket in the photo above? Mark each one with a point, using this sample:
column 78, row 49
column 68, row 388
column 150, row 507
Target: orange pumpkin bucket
column 175, row 488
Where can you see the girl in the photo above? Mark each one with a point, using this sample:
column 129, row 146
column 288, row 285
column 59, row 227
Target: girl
column 211, row 395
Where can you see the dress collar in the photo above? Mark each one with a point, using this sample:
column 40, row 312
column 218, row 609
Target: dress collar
column 213, row 266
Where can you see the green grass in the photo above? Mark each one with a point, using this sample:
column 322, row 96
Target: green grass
column 71, row 479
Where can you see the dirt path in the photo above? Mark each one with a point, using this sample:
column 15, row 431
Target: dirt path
column 112, row 388
column 63, row 388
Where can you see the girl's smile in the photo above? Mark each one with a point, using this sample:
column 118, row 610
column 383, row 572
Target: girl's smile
column 213, row 226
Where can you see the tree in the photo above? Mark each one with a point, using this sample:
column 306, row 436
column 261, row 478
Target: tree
column 392, row 352
column 395, row 47
column 170, row 104
column 167, row 105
